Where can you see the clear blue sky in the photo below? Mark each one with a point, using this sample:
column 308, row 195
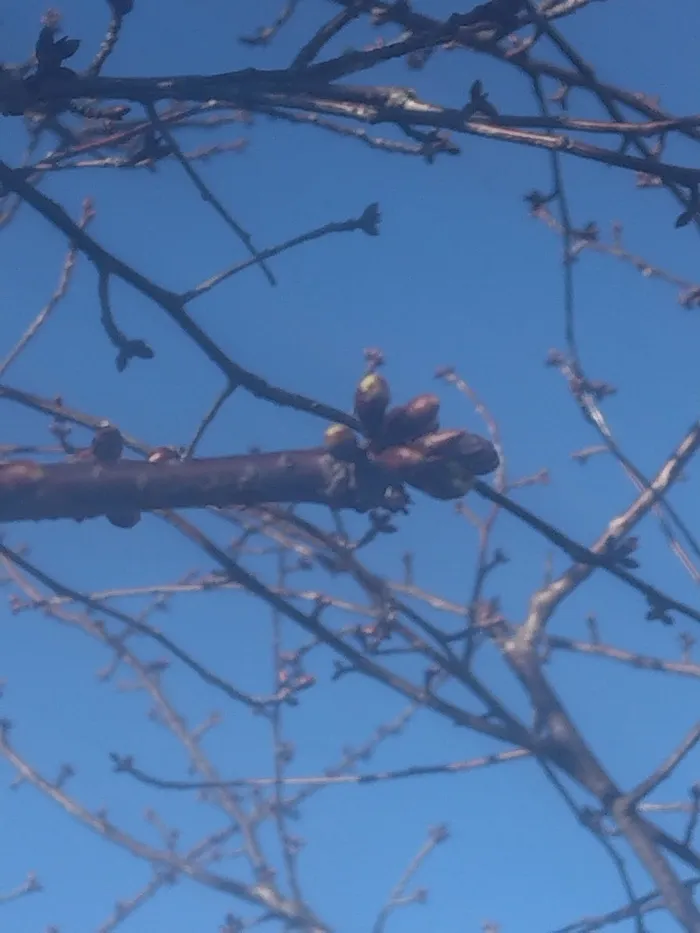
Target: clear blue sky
column 460, row 275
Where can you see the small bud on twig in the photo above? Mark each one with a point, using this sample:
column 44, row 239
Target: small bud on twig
column 371, row 401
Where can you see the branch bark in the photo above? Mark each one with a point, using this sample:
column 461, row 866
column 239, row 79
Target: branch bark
column 30, row 491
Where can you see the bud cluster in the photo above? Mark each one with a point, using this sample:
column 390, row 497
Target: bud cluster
column 407, row 443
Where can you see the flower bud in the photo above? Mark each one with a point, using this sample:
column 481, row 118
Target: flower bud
column 341, row 441
column 404, row 463
column 369, row 221
column 445, row 480
column 107, row 444
column 407, row 422
column 440, row 444
column 371, row 401
column 476, row 454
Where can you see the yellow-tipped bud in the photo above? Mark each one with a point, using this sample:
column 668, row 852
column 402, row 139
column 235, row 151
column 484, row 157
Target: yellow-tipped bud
column 371, row 400
column 341, row 441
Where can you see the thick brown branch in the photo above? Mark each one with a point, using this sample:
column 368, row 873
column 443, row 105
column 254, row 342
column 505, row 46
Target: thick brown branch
column 86, row 489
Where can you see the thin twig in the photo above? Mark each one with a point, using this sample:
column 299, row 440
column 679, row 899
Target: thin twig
column 208, row 419
column 398, row 898
column 125, row 764
column 663, row 772
column 205, row 192
column 60, row 292
column 343, row 226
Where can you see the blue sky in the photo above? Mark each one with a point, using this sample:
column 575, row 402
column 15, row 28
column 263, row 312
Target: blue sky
column 460, row 275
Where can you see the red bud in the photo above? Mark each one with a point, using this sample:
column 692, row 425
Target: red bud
column 448, row 480
column 405, row 463
column 445, row 443
column 477, row 454
column 407, row 422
